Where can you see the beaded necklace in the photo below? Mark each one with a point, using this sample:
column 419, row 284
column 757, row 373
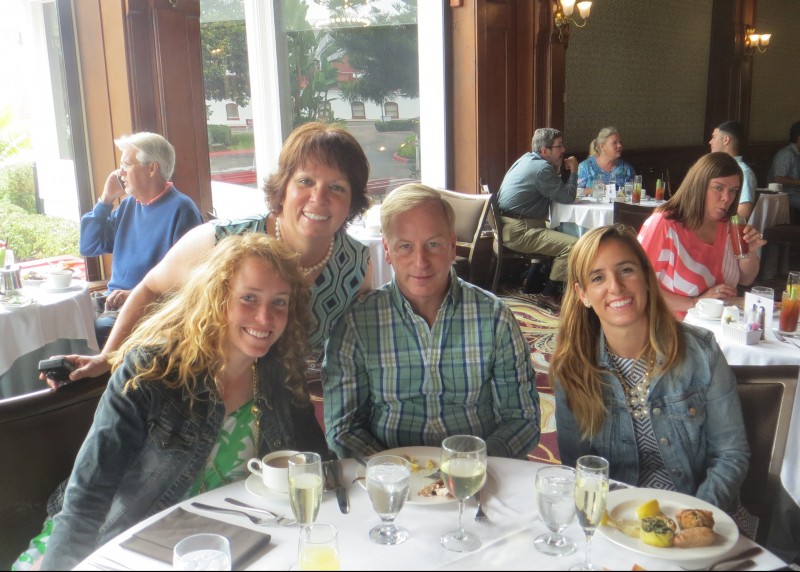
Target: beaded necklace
column 306, row 269
column 635, row 393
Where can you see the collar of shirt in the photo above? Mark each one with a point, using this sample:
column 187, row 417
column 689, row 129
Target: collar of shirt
column 167, row 187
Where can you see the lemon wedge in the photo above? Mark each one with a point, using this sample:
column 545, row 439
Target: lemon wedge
column 650, row 508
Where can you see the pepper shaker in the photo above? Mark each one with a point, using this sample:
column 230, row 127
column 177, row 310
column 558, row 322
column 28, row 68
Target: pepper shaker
column 761, row 321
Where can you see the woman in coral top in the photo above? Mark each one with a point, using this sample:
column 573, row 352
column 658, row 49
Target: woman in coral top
column 686, row 238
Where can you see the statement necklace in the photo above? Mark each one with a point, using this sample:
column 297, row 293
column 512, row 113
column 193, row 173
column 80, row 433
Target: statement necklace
column 306, row 269
column 636, row 394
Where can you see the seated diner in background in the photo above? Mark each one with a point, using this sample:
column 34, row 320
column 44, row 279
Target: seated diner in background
column 427, row 355
column 604, row 161
column 318, row 189
column 654, row 396
column 727, row 138
column 686, row 238
column 785, row 168
column 212, row 377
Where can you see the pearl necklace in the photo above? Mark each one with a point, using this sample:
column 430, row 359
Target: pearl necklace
column 636, row 395
column 307, row 269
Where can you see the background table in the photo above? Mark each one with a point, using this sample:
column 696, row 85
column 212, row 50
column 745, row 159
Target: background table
column 771, row 209
column 381, row 270
column 509, row 501
column 55, row 323
column 578, row 217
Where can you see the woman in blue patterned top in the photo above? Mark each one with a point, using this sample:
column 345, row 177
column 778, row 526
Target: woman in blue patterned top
column 654, row 396
column 605, row 153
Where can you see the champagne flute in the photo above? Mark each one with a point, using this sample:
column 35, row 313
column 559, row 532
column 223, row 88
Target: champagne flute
column 591, row 491
column 464, row 471
column 388, row 478
column 305, row 486
column 555, row 495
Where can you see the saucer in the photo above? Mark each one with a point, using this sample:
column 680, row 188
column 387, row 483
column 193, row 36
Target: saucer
column 255, row 485
column 48, row 288
column 695, row 313
column 15, row 301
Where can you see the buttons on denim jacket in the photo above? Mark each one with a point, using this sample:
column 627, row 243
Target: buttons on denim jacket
column 656, row 411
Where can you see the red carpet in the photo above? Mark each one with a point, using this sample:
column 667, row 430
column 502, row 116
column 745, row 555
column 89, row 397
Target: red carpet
column 539, row 328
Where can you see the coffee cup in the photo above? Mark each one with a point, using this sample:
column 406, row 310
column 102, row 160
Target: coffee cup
column 273, row 470
column 710, row 307
column 59, row 278
column 775, row 187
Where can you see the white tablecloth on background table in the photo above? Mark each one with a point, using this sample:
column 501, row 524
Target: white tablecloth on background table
column 381, row 270
column 44, row 326
column 771, row 209
column 509, row 501
column 582, row 215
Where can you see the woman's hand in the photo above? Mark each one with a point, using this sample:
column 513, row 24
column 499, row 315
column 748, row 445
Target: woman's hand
column 85, row 366
column 753, row 238
column 719, row 291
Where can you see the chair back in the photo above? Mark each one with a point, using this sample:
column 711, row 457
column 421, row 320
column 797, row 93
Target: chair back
column 631, row 214
column 767, row 394
column 40, row 435
column 470, row 213
column 499, row 250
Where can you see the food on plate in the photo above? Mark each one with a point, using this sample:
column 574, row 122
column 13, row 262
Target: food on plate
column 435, row 489
column 430, row 464
column 637, row 567
column 658, row 531
column 694, row 537
column 627, row 527
column 33, row 275
column 650, row 508
column 693, row 518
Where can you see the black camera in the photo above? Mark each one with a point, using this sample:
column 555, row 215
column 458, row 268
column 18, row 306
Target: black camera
column 57, row 369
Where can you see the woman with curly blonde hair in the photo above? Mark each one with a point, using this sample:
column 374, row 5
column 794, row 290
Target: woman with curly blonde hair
column 211, row 378
column 654, row 396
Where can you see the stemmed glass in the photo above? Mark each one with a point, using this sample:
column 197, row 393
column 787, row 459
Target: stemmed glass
column 305, row 486
column 464, row 470
column 555, row 495
column 388, row 478
column 591, row 492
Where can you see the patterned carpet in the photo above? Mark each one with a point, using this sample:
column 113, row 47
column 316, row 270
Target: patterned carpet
column 539, row 327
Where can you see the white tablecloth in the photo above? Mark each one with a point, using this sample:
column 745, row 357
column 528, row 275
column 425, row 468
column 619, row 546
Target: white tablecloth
column 381, row 270
column 509, row 501
column 771, row 209
column 40, row 326
column 581, row 214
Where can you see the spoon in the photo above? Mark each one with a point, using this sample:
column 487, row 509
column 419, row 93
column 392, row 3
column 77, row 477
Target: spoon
column 254, row 519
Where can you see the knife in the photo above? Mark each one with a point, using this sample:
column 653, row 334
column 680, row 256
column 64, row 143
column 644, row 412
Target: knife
column 333, row 481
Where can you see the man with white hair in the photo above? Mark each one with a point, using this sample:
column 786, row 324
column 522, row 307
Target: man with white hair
column 150, row 218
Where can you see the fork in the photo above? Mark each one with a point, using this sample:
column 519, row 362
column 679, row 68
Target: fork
column 282, row 520
column 261, row 521
column 480, row 516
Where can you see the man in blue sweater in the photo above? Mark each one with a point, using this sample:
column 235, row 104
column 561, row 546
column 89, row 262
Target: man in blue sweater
column 150, row 218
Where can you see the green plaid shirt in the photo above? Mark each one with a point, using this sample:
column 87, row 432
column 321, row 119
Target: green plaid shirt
column 391, row 381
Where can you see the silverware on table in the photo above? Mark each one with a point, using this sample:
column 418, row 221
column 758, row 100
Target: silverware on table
column 748, row 553
column 334, row 482
column 282, row 520
column 254, row 519
column 480, row 516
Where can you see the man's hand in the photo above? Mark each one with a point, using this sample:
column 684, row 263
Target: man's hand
column 113, row 188
column 116, row 299
column 571, row 163
column 86, row 366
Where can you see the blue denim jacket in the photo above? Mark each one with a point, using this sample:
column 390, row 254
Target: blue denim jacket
column 146, row 448
column 696, row 418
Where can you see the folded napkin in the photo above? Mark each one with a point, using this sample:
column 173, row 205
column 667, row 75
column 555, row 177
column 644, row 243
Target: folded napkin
column 158, row 539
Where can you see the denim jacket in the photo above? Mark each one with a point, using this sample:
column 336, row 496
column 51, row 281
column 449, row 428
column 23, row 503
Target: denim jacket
column 696, row 417
column 146, row 447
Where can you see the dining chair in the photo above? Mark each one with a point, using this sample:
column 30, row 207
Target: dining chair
column 40, row 435
column 471, row 211
column 499, row 251
column 767, row 394
column 631, row 214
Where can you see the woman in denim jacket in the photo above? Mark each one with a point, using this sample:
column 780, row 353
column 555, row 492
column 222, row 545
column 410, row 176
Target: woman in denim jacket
column 653, row 396
column 214, row 377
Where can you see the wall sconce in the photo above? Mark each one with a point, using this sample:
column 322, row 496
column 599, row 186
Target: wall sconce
column 753, row 41
column 563, row 15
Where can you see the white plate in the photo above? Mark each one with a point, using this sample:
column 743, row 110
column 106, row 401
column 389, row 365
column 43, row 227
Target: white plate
column 622, row 505
column 32, row 282
column 419, row 479
column 73, row 285
column 255, row 485
column 695, row 314
column 15, row 302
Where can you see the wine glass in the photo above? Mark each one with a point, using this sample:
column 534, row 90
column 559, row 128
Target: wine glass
column 464, row 471
column 318, row 547
column 305, row 486
column 555, row 495
column 202, row 552
column 591, row 491
column 388, row 478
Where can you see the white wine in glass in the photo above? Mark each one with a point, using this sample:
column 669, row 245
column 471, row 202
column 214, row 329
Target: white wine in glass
column 464, row 471
column 305, row 486
column 591, row 492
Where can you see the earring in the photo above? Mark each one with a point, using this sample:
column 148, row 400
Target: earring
column 587, row 303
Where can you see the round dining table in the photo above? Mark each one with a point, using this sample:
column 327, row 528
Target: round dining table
column 507, row 537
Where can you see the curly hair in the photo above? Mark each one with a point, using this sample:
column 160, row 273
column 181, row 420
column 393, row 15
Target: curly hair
column 187, row 331
column 574, row 364
column 328, row 145
column 688, row 204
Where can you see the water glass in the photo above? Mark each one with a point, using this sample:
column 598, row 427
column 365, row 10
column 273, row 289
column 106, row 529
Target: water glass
column 628, row 191
column 388, row 479
column 555, row 496
column 464, row 470
column 763, row 292
column 202, row 552
column 591, row 492
column 318, row 548
column 305, row 486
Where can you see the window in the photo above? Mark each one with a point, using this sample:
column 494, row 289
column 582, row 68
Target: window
column 391, row 110
column 232, row 110
column 357, row 110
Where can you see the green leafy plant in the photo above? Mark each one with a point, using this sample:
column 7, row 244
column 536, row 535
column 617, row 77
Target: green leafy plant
column 37, row 236
column 398, row 125
column 17, row 186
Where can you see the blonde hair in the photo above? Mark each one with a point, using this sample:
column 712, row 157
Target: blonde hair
column 602, row 137
column 574, row 365
column 188, row 330
column 688, row 204
column 410, row 196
